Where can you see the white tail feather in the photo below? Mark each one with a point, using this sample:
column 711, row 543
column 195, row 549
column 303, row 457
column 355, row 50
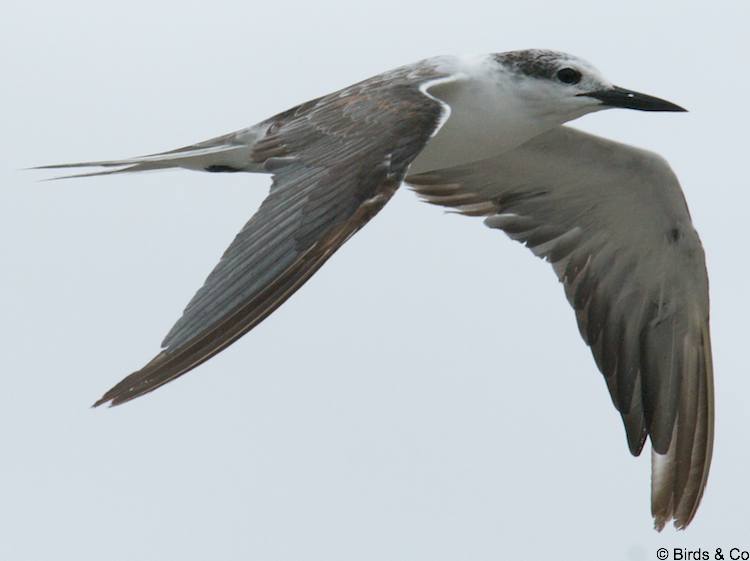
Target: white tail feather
column 231, row 152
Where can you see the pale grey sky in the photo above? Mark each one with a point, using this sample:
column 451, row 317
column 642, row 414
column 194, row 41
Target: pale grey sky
column 426, row 395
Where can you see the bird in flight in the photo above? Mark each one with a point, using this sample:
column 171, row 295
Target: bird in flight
column 484, row 136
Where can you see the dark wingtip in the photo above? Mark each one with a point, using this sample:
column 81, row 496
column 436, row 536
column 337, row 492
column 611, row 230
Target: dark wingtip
column 118, row 395
column 110, row 397
column 660, row 522
column 121, row 392
column 102, row 400
column 139, row 383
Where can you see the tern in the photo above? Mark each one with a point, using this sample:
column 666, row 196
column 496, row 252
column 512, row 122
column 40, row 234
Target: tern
column 485, row 136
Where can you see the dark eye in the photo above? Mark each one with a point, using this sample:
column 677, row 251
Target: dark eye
column 569, row 76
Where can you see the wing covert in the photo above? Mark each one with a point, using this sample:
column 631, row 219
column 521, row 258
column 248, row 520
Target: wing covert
column 336, row 161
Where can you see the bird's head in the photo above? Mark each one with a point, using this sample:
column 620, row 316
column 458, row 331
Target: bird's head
column 559, row 83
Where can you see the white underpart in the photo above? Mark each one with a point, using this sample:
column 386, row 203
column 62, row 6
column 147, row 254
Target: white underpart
column 486, row 116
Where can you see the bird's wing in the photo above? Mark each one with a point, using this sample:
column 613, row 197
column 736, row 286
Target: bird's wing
column 336, row 161
column 613, row 222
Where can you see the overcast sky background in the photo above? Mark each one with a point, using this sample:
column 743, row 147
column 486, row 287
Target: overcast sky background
column 426, row 395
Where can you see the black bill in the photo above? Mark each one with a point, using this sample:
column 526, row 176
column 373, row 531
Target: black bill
column 627, row 99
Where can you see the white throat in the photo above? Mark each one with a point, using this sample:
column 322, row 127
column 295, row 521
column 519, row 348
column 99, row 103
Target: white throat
column 485, row 116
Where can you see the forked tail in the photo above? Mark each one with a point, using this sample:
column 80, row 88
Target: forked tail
column 230, row 152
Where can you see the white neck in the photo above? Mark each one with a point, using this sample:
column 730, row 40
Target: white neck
column 486, row 116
